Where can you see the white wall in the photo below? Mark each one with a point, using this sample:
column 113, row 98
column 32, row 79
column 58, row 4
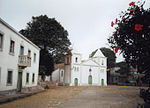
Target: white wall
column 83, row 73
column 8, row 61
column 57, row 75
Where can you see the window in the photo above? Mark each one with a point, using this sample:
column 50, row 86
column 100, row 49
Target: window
column 61, row 73
column 67, row 60
column 0, row 74
column 27, row 78
column 77, row 68
column 12, row 45
column 21, row 50
column 76, row 59
column 74, row 68
column 29, row 53
column 1, row 42
column 9, row 77
column 34, row 57
column 33, row 77
column 102, row 62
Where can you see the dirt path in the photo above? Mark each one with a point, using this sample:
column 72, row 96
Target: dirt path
column 105, row 97
column 48, row 99
column 81, row 97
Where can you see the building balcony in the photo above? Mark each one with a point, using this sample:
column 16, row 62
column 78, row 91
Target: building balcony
column 24, row 61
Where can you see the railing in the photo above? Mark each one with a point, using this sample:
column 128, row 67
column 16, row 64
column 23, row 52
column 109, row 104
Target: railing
column 24, row 61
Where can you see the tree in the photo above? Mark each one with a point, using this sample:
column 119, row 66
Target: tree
column 124, row 68
column 132, row 36
column 51, row 37
column 111, row 58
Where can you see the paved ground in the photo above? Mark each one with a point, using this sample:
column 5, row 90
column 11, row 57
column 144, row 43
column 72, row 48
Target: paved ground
column 81, row 97
column 47, row 99
column 11, row 97
column 110, row 97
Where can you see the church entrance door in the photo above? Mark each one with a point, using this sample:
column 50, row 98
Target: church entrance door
column 90, row 79
column 76, row 81
column 102, row 82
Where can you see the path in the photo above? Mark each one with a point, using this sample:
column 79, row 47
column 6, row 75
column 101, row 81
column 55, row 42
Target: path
column 48, row 99
column 96, row 97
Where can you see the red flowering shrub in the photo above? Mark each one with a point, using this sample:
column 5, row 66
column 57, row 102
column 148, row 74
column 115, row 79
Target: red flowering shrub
column 132, row 11
column 116, row 21
column 132, row 36
column 112, row 24
column 138, row 27
column 115, row 49
column 132, row 3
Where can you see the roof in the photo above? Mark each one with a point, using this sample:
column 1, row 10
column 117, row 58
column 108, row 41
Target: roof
column 23, row 37
column 98, row 53
column 57, row 66
column 90, row 62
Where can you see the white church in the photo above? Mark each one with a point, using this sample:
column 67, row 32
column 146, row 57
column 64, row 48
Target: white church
column 78, row 72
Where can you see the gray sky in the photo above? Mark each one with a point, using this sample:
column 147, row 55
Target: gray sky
column 87, row 21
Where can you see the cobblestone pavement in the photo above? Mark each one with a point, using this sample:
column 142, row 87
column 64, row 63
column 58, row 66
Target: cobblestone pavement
column 109, row 97
column 48, row 99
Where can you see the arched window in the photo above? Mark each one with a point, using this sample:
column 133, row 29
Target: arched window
column 76, row 60
column 61, row 73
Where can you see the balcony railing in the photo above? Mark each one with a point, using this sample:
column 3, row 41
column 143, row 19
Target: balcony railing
column 24, row 61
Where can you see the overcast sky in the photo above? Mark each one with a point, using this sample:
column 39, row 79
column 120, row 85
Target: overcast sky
column 87, row 21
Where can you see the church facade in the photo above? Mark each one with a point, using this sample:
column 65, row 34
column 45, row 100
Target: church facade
column 78, row 72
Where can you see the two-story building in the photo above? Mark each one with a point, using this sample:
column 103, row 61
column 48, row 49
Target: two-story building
column 19, row 60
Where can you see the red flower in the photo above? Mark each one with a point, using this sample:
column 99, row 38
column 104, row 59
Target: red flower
column 115, row 49
column 132, row 3
column 116, row 21
column 112, row 23
column 132, row 11
column 138, row 27
column 123, row 18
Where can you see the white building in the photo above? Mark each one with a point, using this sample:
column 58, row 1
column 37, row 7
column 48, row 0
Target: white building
column 58, row 74
column 84, row 72
column 19, row 60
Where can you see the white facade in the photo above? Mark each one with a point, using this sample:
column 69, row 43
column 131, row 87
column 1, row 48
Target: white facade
column 58, row 75
column 85, row 72
column 13, row 44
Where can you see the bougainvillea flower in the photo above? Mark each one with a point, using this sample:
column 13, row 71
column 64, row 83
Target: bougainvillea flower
column 131, row 4
column 132, row 11
column 115, row 49
column 112, row 23
column 138, row 27
column 116, row 21
column 123, row 18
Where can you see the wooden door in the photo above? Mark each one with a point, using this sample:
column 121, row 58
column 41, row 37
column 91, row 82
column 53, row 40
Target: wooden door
column 76, row 81
column 90, row 79
column 102, row 82
column 19, row 84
